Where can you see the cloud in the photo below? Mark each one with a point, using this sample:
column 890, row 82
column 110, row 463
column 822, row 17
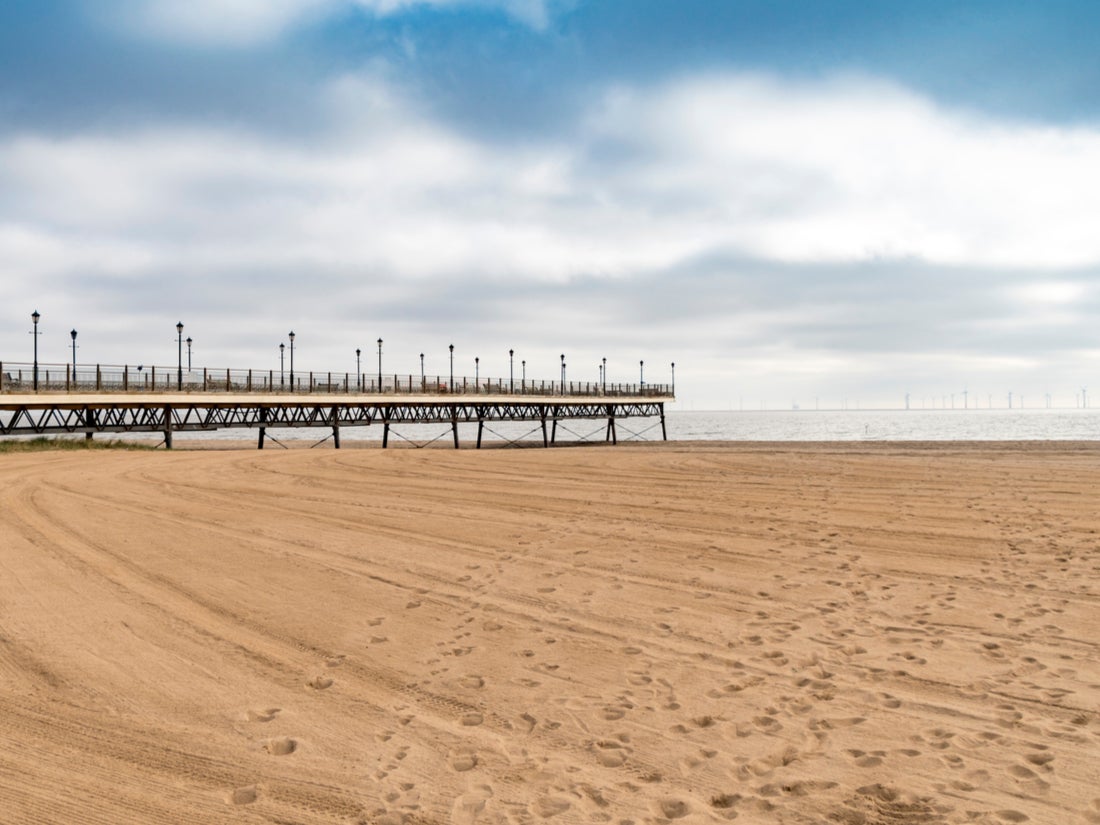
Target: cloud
column 852, row 169
column 245, row 23
column 749, row 226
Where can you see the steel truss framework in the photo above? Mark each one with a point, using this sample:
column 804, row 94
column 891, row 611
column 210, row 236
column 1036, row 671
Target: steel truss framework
column 134, row 416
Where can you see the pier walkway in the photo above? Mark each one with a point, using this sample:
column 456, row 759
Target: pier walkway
column 166, row 413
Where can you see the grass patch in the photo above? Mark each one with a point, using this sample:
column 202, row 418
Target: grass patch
column 45, row 444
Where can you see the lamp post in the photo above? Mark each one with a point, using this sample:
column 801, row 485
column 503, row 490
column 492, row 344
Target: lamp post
column 511, row 380
column 605, row 375
column 358, row 370
column 282, row 374
column 641, row 374
column 674, row 378
column 380, row 365
column 179, row 356
column 563, row 373
column 34, row 320
column 73, row 334
column 523, row 379
column 477, row 374
column 189, row 353
column 423, row 383
column 451, row 386
column 291, row 337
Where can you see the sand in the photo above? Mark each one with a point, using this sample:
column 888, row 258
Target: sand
column 642, row 634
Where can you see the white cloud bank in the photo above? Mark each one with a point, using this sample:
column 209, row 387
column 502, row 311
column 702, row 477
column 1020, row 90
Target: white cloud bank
column 243, row 23
column 649, row 186
column 651, row 179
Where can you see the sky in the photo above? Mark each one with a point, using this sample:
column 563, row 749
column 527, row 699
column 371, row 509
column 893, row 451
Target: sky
column 813, row 204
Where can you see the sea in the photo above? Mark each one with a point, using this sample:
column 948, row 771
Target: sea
column 1079, row 424
column 773, row 425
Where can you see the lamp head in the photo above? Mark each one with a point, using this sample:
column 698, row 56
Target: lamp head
column 35, row 316
column 291, row 336
column 179, row 327
column 73, row 333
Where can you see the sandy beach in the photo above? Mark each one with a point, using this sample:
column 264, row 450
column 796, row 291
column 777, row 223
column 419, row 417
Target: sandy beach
column 856, row 634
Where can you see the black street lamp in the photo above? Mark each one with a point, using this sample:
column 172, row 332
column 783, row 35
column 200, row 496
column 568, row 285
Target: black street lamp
column 358, row 370
column 605, row 375
column 641, row 374
column 189, row 353
column 179, row 356
column 291, row 337
column 34, row 319
column 477, row 375
column 511, row 381
column 282, row 374
column 674, row 378
column 523, row 379
column 423, row 383
column 563, row 373
column 380, row 365
column 451, row 386
column 73, row 334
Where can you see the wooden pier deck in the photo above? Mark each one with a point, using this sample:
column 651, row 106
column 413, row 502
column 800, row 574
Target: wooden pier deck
column 166, row 413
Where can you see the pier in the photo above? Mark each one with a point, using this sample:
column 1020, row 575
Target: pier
column 156, row 400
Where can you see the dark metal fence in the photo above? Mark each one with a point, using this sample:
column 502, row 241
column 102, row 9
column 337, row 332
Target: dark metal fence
column 19, row 377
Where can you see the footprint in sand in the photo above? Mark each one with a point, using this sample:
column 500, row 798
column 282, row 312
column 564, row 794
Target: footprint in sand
column 610, row 754
column 320, row 682
column 672, row 808
column 470, row 805
column 548, row 806
column 281, row 746
column 265, row 715
column 242, row 796
column 867, row 760
column 1029, row 780
column 462, row 761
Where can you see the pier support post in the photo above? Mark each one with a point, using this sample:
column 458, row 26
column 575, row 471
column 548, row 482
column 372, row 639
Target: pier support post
column 554, row 428
column 480, row 425
column 545, row 440
column 611, row 436
column 385, row 428
column 664, row 433
column 454, row 424
column 168, row 427
column 335, row 428
column 263, row 429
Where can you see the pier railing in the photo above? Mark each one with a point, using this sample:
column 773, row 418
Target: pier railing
column 19, row 377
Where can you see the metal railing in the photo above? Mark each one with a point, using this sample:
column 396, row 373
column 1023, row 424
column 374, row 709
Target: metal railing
column 19, row 377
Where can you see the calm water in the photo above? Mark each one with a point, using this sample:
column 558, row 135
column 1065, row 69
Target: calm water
column 873, row 425
column 888, row 425
column 848, row 425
